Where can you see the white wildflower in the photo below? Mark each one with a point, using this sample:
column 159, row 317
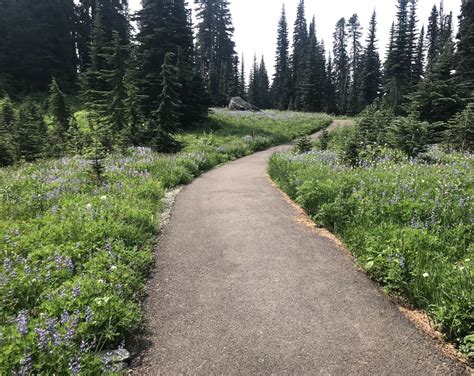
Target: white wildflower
column 426, row 275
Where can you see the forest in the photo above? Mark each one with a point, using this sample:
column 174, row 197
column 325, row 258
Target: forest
column 103, row 111
column 76, row 76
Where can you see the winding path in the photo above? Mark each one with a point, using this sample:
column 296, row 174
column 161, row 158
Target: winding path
column 242, row 287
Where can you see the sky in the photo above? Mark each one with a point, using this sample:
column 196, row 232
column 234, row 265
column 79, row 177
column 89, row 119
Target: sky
column 255, row 21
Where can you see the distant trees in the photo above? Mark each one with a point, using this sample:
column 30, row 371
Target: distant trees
column 282, row 78
column 259, row 85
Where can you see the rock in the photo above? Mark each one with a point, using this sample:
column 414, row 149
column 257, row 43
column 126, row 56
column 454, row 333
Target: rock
column 238, row 104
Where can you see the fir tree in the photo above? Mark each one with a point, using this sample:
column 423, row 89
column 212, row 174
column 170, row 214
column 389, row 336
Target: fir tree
column 330, row 88
column 341, row 66
column 60, row 115
column 214, row 47
column 299, row 58
column 263, row 86
column 253, row 94
column 282, row 79
column 419, row 61
column 312, row 85
column 354, row 34
column 433, row 38
column 168, row 114
column 242, row 81
column 7, row 132
column 31, row 131
column 371, row 80
column 460, row 132
column 465, row 55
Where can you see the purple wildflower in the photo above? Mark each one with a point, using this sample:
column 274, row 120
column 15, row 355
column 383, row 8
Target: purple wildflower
column 65, row 317
column 51, row 325
column 69, row 264
column 76, row 291
column 26, row 365
column 22, row 323
column 75, row 365
column 42, row 337
column 88, row 314
column 108, row 247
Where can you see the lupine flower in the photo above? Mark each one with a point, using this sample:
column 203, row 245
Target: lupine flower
column 75, row 365
column 22, row 323
column 69, row 264
column 51, row 325
column 26, row 365
column 76, row 291
column 42, row 337
column 88, row 314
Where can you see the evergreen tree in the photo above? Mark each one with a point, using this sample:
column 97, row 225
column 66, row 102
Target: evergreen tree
column 419, row 61
column 299, row 58
column 341, row 67
column 60, row 115
column 168, row 113
column 31, row 131
column 311, row 86
column 354, row 32
column 214, row 48
column 371, row 80
column 330, row 88
column 242, row 81
column 412, row 45
column 465, row 55
column 253, row 92
column 37, row 42
column 460, row 132
column 282, row 77
column 433, row 38
column 263, row 86
column 7, row 132
column 164, row 26
column 399, row 60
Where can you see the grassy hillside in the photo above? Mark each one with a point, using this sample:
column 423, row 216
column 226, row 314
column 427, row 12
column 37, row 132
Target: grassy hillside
column 77, row 249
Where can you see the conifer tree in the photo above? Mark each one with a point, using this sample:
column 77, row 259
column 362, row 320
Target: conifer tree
column 399, row 61
column 214, row 47
column 419, row 61
column 60, row 115
column 7, row 132
column 31, row 131
column 164, row 26
column 371, row 80
column 299, row 58
column 282, row 79
column 242, row 80
column 168, row 114
column 253, row 93
column 465, row 55
column 341, row 66
column 433, row 38
column 330, row 88
column 412, row 44
column 311, row 86
column 354, row 31
column 460, row 131
column 263, row 86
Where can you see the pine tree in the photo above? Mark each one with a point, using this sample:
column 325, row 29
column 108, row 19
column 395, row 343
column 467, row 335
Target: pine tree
column 253, row 92
column 341, row 66
column 164, row 26
column 31, row 131
column 242, row 81
column 263, row 86
column 7, row 132
column 330, row 88
column 465, row 56
column 311, row 86
column 371, row 81
column 354, row 32
column 168, row 114
column 282, row 79
column 299, row 58
column 214, row 47
column 419, row 61
column 460, row 132
column 61, row 117
column 399, row 61
column 433, row 38
column 37, row 43
column 412, row 45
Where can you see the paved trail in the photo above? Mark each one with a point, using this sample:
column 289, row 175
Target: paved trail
column 241, row 287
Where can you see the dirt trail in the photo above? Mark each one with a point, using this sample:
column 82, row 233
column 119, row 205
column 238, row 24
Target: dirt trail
column 242, row 287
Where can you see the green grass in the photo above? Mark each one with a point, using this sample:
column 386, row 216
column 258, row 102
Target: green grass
column 75, row 255
column 409, row 222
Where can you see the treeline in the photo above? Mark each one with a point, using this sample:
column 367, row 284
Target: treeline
column 61, row 58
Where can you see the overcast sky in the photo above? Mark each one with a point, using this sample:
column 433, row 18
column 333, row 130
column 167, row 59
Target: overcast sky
column 255, row 21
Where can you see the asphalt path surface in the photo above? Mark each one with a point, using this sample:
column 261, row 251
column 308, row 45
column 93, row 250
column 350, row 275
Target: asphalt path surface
column 242, row 287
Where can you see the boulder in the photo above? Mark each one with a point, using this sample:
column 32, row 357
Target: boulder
column 238, row 104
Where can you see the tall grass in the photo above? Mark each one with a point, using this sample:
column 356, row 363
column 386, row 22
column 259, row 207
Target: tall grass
column 408, row 221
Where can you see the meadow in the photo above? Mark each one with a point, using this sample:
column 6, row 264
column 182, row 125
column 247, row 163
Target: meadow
column 77, row 246
column 408, row 221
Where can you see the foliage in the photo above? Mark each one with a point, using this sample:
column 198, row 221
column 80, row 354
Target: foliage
column 406, row 220
column 77, row 247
